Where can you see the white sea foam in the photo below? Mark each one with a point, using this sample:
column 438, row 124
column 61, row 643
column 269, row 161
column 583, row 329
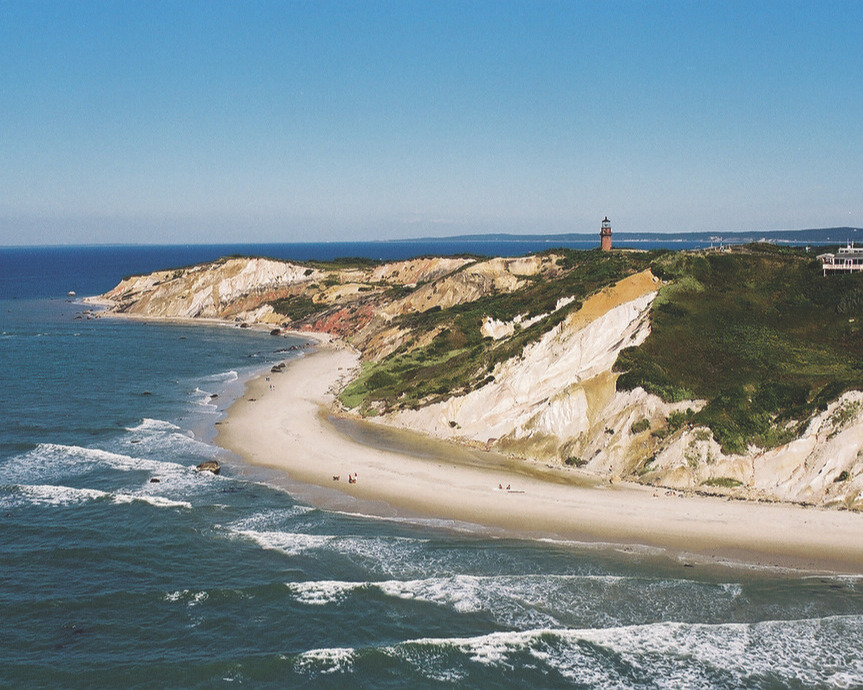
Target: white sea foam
column 204, row 399
column 53, row 461
column 54, row 464
column 637, row 549
column 403, row 560
column 324, row 661
column 271, row 519
column 224, row 377
column 148, row 424
column 160, row 443
column 198, row 597
column 369, row 549
column 434, row 523
column 538, row 600
column 49, row 494
column 733, row 589
column 322, row 592
column 270, row 531
column 821, row 651
column 461, row 592
column 157, row 501
column 288, row 543
column 188, row 597
column 57, row 495
column 510, row 599
column 464, row 593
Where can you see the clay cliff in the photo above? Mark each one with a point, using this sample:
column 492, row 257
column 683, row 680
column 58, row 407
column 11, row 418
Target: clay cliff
column 516, row 355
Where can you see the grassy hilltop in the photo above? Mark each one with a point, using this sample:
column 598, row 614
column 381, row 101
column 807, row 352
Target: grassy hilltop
column 759, row 333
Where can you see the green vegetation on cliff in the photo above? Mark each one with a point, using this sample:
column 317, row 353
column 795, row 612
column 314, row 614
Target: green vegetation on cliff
column 295, row 308
column 759, row 334
column 458, row 359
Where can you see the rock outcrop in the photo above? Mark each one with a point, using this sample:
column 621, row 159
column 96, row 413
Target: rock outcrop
column 229, row 289
column 824, row 466
column 209, row 466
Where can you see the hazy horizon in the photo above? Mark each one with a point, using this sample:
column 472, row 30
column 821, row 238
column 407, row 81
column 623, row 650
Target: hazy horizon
column 260, row 122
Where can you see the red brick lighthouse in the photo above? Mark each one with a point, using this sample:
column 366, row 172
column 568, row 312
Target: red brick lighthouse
column 605, row 235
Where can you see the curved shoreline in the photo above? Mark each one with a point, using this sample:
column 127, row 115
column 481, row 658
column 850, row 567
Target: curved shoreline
column 282, row 422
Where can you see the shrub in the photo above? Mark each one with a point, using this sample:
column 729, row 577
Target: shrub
column 640, row 425
column 380, row 379
column 295, row 308
column 726, row 482
column 677, row 419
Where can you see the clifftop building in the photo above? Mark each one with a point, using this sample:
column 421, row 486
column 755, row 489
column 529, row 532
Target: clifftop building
column 605, row 235
column 849, row 260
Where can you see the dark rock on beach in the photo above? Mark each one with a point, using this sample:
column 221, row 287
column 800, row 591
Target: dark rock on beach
column 209, row 466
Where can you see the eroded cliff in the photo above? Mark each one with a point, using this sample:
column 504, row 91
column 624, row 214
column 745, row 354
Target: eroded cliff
column 520, row 355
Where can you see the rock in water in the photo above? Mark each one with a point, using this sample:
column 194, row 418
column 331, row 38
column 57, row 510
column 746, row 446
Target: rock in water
column 209, row 466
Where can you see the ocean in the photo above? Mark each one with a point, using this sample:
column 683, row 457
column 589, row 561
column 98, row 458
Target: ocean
column 109, row 578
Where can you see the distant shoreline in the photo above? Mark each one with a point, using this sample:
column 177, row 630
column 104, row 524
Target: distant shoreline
column 283, row 423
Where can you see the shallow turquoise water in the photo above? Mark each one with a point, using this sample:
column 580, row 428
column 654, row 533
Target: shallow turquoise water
column 109, row 579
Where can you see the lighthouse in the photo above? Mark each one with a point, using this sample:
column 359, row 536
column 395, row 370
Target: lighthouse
column 605, row 235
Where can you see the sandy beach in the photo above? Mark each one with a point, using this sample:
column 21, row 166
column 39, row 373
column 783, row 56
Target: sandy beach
column 283, row 421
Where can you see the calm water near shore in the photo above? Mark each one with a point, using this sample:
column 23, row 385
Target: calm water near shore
column 110, row 579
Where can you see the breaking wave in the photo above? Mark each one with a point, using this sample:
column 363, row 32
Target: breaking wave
column 54, row 495
column 825, row 652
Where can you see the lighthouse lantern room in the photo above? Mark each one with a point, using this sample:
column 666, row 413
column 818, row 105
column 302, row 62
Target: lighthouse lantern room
column 605, row 235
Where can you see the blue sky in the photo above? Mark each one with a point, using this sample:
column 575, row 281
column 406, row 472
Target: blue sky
column 293, row 121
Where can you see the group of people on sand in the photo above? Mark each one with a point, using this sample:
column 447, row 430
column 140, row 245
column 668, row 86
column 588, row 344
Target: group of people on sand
column 500, row 486
column 352, row 478
column 669, row 492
